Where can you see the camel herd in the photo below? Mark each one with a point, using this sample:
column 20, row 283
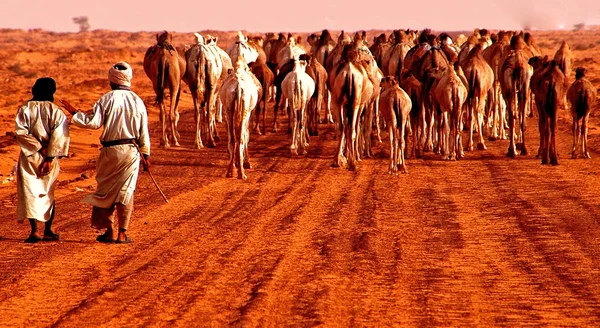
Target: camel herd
column 411, row 83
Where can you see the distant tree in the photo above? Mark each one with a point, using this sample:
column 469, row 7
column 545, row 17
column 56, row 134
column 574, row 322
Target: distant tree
column 578, row 27
column 83, row 22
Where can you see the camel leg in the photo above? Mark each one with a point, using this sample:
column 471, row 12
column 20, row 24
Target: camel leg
column 230, row 145
column 329, row 114
column 392, row 168
column 524, row 150
column 471, row 123
column 351, row 137
column 163, row 123
column 264, row 115
column 198, row 120
column 174, row 114
column 402, row 145
column 546, row 135
column 481, row 144
column 553, row 130
column 575, row 129
column 276, row 108
column 584, row 135
column 512, row 149
column 294, row 146
column 246, row 139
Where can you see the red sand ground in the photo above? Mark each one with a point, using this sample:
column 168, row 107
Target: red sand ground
column 484, row 241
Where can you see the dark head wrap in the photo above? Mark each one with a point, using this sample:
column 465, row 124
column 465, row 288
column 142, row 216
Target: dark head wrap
column 44, row 89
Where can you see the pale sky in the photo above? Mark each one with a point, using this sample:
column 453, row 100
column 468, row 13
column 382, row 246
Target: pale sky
column 296, row 16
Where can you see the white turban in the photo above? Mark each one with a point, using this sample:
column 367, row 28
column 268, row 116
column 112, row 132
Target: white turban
column 120, row 76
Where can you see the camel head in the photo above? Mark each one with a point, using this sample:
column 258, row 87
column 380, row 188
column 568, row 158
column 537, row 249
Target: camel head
column 344, row 38
column 388, row 82
column 537, row 62
column 240, row 38
column 564, row 45
column 326, row 36
column 312, row 39
column 438, row 72
column 199, row 38
column 164, row 37
column 580, row 73
column 517, row 42
column 494, row 37
column 257, row 40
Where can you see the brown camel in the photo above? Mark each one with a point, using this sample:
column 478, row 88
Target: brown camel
column 319, row 75
column 395, row 107
column 274, row 50
column 413, row 88
column 480, row 81
column 450, row 95
column 581, row 96
column 165, row 68
column 204, row 75
column 564, row 58
column 549, row 89
column 516, row 76
column 262, row 72
column 348, row 88
column 379, row 48
column 497, row 107
column 393, row 58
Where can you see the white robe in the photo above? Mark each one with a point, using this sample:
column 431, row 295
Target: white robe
column 39, row 125
column 123, row 115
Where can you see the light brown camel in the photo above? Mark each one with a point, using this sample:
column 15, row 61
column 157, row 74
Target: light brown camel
column 239, row 95
column 212, row 43
column 565, row 60
column 516, row 76
column 549, row 88
column 450, row 95
column 497, row 107
column 165, row 68
column 414, row 89
column 204, row 76
column 395, row 107
column 379, row 48
column 581, row 96
column 480, row 78
column 348, row 88
column 257, row 43
column 318, row 73
column 262, row 72
column 393, row 58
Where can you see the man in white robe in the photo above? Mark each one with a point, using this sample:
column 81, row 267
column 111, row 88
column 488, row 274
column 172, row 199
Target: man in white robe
column 42, row 132
column 125, row 120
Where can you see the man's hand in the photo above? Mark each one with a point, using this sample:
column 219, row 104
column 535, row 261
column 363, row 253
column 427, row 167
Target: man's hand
column 46, row 166
column 146, row 163
column 72, row 110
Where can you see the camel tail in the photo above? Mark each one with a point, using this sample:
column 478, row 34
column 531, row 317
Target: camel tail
column 582, row 104
column 348, row 91
column 238, row 114
column 204, row 85
column 456, row 108
column 397, row 112
column 473, row 82
column 162, row 72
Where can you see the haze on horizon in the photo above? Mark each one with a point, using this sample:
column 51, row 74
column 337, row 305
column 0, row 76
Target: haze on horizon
column 309, row 15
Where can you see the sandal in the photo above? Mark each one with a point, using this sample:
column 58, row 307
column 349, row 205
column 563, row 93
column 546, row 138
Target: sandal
column 104, row 239
column 51, row 237
column 126, row 241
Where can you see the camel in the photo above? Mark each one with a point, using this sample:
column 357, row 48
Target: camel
column 165, row 68
column 241, row 48
column 549, row 89
column 450, row 95
column 321, row 46
column 274, row 49
column 257, row 43
column 289, row 51
column 262, row 72
column 413, row 88
column 497, row 108
column 348, row 87
column 335, row 56
column 239, row 96
column 564, row 58
column 212, row 43
column 379, row 48
column 515, row 81
column 480, row 78
column 319, row 75
column 531, row 45
column 449, row 48
column 204, row 76
column 395, row 106
column 298, row 87
column 393, row 58
column 581, row 95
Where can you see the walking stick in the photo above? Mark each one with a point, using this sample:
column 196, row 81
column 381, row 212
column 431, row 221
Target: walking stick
column 151, row 176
